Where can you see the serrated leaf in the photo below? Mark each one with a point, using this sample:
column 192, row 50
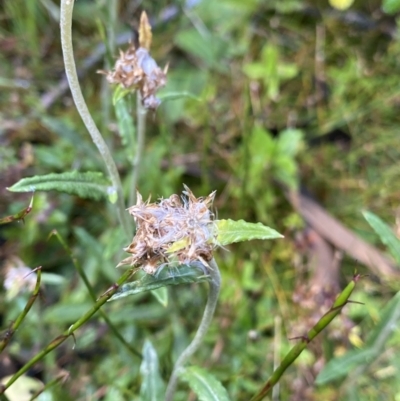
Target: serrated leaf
column 230, row 231
column 385, row 233
column 183, row 274
column 206, row 386
column 152, row 388
column 90, row 185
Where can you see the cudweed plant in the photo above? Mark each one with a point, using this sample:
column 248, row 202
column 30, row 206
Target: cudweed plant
column 175, row 237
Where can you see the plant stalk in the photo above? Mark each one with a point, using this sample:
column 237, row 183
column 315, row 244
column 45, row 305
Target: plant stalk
column 292, row 355
column 141, row 114
column 15, row 325
column 67, row 333
column 215, row 285
column 92, row 294
column 67, row 7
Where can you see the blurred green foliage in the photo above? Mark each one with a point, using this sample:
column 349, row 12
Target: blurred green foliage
column 264, row 85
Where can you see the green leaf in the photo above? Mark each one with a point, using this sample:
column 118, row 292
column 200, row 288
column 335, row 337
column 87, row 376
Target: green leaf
column 391, row 6
column 254, row 70
column 126, row 125
column 390, row 315
column 152, row 388
column 65, row 131
column 119, row 93
column 206, row 386
column 385, row 234
column 53, row 279
column 168, row 95
column 161, row 295
column 91, row 185
column 289, row 141
column 340, row 367
column 230, row 231
column 208, row 47
column 183, row 274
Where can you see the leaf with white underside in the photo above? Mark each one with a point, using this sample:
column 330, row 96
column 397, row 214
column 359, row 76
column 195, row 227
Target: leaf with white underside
column 206, row 386
column 90, row 185
column 152, row 388
column 183, row 274
column 230, row 231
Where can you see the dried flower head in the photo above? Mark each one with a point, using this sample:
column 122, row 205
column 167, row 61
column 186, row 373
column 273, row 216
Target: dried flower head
column 174, row 230
column 135, row 69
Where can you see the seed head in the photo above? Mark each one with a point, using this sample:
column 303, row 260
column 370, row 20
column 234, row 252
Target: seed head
column 174, row 230
column 135, row 69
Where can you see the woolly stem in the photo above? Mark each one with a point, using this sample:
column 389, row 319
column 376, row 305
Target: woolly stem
column 215, row 285
column 141, row 113
column 67, row 7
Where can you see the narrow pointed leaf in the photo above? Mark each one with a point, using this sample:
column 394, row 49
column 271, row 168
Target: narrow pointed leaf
column 152, row 388
column 91, row 185
column 390, row 316
column 161, row 295
column 183, row 274
column 230, row 231
column 340, row 367
column 119, row 93
column 385, row 233
column 164, row 96
column 126, row 126
column 206, row 386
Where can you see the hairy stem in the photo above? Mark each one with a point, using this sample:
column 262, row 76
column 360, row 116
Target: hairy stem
column 70, row 70
column 215, row 285
column 67, row 333
column 92, row 294
column 141, row 113
column 15, row 325
column 291, row 356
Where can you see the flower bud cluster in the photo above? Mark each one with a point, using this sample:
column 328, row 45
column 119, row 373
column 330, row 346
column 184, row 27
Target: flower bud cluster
column 174, row 230
column 136, row 69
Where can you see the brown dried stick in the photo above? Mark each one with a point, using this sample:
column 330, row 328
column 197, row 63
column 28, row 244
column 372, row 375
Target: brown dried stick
column 340, row 236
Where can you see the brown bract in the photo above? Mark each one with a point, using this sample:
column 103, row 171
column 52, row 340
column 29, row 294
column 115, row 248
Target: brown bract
column 176, row 230
column 135, row 69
